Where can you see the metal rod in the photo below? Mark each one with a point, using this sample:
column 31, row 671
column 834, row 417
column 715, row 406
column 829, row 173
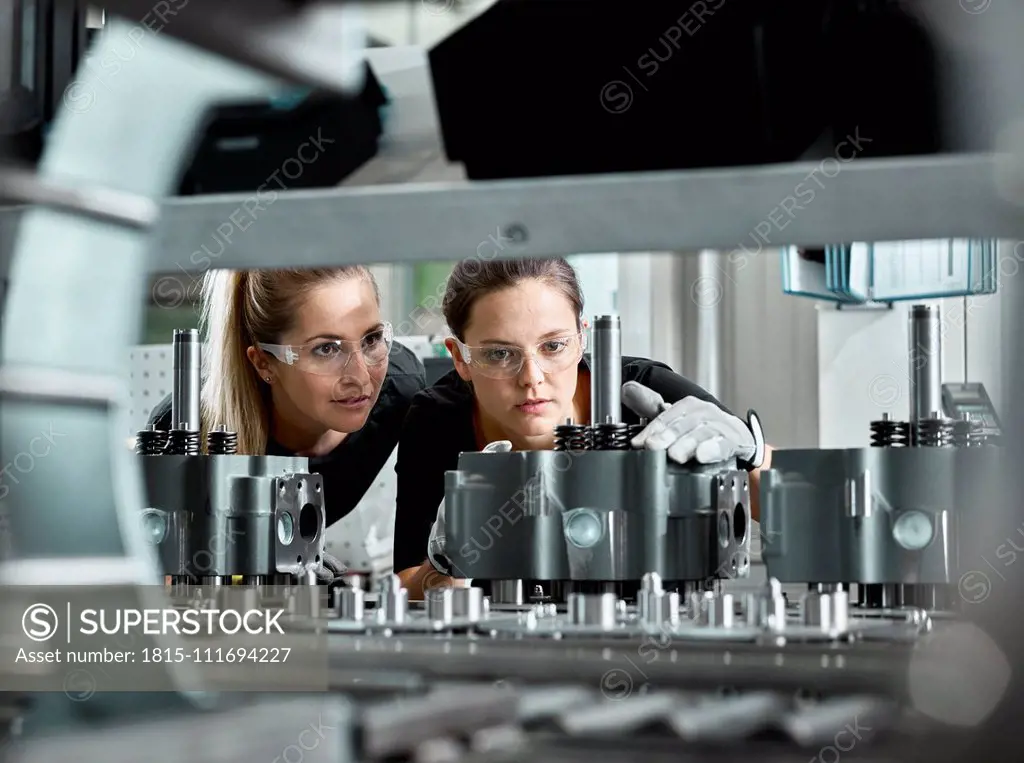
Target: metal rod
column 925, row 361
column 606, row 371
column 185, row 392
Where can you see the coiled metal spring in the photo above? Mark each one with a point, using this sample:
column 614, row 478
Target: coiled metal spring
column 933, row 433
column 183, row 442
column 610, row 436
column 151, row 442
column 967, row 434
column 220, row 442
column 569, row 436
column 635, row 429
column 887, row 433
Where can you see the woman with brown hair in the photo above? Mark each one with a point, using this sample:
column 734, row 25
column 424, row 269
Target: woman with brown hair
column 299, row 362
column 518, row 344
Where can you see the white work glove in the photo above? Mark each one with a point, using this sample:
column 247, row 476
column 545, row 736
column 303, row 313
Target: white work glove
column 436, row 543
column 692, row 429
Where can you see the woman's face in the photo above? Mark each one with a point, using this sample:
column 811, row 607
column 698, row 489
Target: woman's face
column 328, row 390
column 534, row 321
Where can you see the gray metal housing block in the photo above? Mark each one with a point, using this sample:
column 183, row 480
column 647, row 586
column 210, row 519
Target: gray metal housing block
column 214, row 516
column 595, row 516
column 872, row 515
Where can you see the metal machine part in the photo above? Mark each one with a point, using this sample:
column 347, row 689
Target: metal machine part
column 392, row 600
column 885, row 518
column 186, row 349
column 600, row 516
column 508, row 592
column 599, row 610
column 826, row 610
column 350, row 603
column 219, row 516
column 606, row 371
column 715, row 610
column 925, row 362
column 656, row 607
column 767, row 609
column 212, row 517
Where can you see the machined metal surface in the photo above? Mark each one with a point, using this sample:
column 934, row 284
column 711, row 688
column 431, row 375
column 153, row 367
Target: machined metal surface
column 595, row 516
column 233, row 515
column 885, row 516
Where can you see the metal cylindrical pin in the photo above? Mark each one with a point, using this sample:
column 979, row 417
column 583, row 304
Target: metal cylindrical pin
column 392, row 600
column 599, row 610
column 606, row 370
column 440, row 604
column 772, row 607
column 925, row 361
column 826, row 611
column 186, row 351
column 508, row 592
column 468, row 603
column 660, row 609
column 350, row 603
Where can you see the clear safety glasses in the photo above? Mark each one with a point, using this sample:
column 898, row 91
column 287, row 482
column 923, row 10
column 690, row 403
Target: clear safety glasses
column 330, row 357
column 506, row 362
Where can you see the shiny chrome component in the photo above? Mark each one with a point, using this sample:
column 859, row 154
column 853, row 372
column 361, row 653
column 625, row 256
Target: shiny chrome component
column 508, row 592
column 606, row 374
column 392, row 601
column 350, row 603
column 770, row 608
column 186, row 349
column 469, row 603
column 593, row 609
column 925, row 361
column 439, row 604
column 827, row 611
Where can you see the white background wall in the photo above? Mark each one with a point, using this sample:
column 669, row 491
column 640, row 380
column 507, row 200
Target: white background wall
column 816, row 375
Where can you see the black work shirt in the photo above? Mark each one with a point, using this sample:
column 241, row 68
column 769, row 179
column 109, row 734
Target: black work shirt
column 440, row 426
column 350, row 469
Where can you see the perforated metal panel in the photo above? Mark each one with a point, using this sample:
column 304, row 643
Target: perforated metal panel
column 149, row 383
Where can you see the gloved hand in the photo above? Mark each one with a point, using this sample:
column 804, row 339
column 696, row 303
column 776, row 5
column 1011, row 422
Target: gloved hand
column 692, row 429
column 436, row 542
column 330, row 569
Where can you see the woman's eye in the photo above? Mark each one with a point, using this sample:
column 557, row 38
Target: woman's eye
column 555, row 346
column 326, row 350
column 497, row 355
column 371, row 340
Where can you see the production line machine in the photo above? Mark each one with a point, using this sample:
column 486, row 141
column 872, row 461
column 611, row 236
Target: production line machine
column 217, row 518
column 593, row 552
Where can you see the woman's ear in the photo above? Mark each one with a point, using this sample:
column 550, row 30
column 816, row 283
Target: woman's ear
column 460, row 365
column 259, row 362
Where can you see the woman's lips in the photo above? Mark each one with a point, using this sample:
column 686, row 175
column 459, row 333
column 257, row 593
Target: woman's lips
column 533, row 407
column 353, row 402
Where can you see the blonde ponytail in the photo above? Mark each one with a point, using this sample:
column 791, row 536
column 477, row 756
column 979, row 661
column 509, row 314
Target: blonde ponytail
column 239, row 310
column 232, row 395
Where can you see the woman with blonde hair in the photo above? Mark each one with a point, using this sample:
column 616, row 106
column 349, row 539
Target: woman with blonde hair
column 299, row 362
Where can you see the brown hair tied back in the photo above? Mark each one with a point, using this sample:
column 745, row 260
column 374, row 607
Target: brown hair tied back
column 472, row 279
